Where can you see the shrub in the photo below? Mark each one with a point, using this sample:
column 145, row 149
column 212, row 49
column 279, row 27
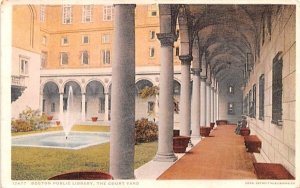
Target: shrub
column 145, row 131
column 21, row 126
column 30, row 120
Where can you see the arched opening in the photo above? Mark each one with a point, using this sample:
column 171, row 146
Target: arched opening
column 144, row 107
column 77, row 97
column 95, row 100
column 50, row 102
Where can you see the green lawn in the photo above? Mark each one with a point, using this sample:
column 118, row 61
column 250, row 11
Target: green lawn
column 95, row 128
column 29, row 163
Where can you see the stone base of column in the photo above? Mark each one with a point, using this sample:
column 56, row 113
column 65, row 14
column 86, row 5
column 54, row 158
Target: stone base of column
column 165, row 157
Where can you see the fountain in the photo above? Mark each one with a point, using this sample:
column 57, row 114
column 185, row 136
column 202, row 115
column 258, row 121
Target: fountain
column 68, row 120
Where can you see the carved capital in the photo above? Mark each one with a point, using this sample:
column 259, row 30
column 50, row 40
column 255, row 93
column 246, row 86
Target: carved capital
column 186, row 59
column 196, row 71
column 166, row 39
column 203, row 78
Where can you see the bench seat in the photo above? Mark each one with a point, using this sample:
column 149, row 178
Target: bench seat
column 271, row 171
column 252, row 143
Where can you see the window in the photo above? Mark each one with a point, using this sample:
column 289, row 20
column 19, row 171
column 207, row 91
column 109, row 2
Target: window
column 177, row 51
column 65, row 104
column 85, row 39
column 105, row 38
column 87, row 11
column 44, row 105
column 230, row 89
column 152, row 35
column 67, row 14
column 108, row 12
column 250, row 104
column 52, row 107
column 64, row 58
column 150, row 106
column 105, row 57
column 152, row 10
column 44, row 57
column 42, row 13
column 84, row 57
column 151, row 51
column 64, row 41
column 44, row 40
column 277, row 90
column 246, row 105
column 101, row 105
column 254, row 101
column 230, row 110
column 261, row 97
column 266, row 26
column 23, row 66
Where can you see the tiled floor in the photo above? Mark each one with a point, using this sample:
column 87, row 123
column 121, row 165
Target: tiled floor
column 221, row 156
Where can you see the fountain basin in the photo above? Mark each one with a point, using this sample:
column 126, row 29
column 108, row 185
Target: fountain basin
column 76, row 140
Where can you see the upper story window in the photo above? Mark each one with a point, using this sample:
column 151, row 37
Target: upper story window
column 67, row 14
column 105, row 38
column 64, row 58
column 44, row 40
column 177, row 51
column 277, row 89
column 261, row 97
column 152, row 10
column 254, row 101
column 64, row 41
column 42, row 13
column 152, row 35
column 108, row 13
column 151, row 52
column 84, row 57
column 85, row 39
column 105, row 56
column 230, row 109
column 87, row 12
column 24, row 66
column 44, row 57
column 230, row 89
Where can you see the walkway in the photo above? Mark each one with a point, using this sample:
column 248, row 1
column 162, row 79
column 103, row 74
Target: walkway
column 220, row 156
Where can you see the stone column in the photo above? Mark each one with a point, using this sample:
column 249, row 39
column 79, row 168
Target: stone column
column 212, row 106
column 122, row 138
column 217, row 96
column 185, row 96
column 215, row 103
column 166, row 106
column 83, row 107
column 61, row 106
column 196, row 103
column 203, row 101
column 41, row 102
column 208, row 90
column 106, row 106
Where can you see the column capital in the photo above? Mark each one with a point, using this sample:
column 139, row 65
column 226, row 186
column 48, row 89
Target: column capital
column 166, row 39
column 203, row 78
column 106, row 93
column 83, row 93
column 196, row 71
column 208, row 83
column 186, row 59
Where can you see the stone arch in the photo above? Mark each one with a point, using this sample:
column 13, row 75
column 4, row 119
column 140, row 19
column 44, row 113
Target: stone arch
column 49, row 80
column 84, row 87
column 77, row 97
column 141, row 84
column 72, row 80
column 94, row 99
column 50, row 98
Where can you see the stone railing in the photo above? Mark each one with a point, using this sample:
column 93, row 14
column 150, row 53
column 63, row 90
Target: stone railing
column 18, row 81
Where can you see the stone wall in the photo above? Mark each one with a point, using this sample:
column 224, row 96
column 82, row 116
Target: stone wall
column 278, row 142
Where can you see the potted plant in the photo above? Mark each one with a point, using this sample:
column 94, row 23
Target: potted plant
column 180, row 143
column 83, row 175
column 245, row 131
column 94, row 118
column 212, row 125
column 58, row 123
column 204, row 131
column 176, row 132
column 49, row 117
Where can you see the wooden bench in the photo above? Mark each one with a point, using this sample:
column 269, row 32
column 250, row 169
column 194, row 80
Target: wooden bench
column 252, row 143
column 271, row 171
